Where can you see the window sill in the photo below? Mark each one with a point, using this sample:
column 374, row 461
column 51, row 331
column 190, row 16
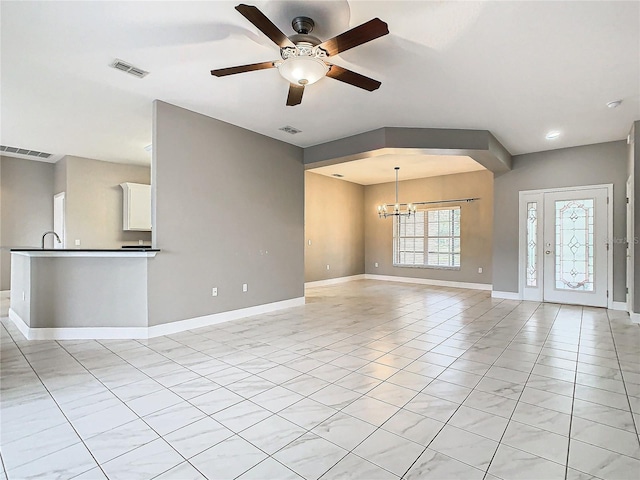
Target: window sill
column 429, row 267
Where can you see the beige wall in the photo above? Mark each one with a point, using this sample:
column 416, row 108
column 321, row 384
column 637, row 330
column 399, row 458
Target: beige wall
column 229, row 209
column 26, row 190
column 94, row 202
column 476, row 225
column 334, row 225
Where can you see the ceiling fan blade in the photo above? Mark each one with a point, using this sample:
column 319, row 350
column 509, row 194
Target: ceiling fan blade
column 353, row 78
column 265, row 25
column 295, row 95
column 356, row 36
column 222, row 72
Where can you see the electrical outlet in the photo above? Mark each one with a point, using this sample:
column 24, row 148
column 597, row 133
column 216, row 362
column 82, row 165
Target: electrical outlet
column 309, row 242
column 327, row 267
column 376, row 264
column 77, row 242
column 245, row 287
column 214, row 292
column 140, row 242
column 479, row 269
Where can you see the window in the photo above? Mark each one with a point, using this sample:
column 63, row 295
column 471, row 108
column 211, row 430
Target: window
column 430, row 238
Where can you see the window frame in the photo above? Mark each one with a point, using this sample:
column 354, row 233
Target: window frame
column 397, row 237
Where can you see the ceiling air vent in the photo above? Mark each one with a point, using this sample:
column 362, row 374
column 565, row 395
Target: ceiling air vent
column 24, row 151
column 128, row 68
column 290, row 129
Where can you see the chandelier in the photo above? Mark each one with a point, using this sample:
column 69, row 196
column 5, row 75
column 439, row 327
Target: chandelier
column 408, row 209
column 398, row 211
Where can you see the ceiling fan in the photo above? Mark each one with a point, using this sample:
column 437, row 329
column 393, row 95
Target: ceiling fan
column 304, row 56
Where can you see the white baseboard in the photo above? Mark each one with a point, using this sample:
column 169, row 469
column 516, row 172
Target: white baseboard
column 619, row 306
column 428, row 281
column 334, row 281
column 635, row 317
column 215, row 318
column 505, row 295
column 5, row 293
column 104, row 333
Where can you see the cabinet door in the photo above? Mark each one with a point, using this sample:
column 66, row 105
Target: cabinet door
column 140, row 207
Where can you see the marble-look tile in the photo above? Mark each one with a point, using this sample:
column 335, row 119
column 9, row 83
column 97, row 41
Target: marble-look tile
column 490, row 403
column 305, row 385
column 603, row 414
column 414, row 427
column 479, row 422
column 344, row 430
column 104, row 420
column 543, row 418
column 353, row 467
column 602, row 463
column 194, row 388
column 389, row 451
column 447, row 391
column 432, row 407
column 410, row 380
column 604, row 436
column 269, row 469
column 427, row 369
column 228, row 376
column 465, row 379
column 329, row 373
column 217, row 400
column 371, row 410
column 358, row 382
column 228, row 459
column 377, row 370
column 307, row 413
column 543, row 399
column 465, row 446
column 272, row 434
column 144, row 462
column 95, row 473
column 432, row 465
column 122, row 439
column 276, row 399
column 182, row 471
column 46, row 442
column 391, row 393
column 154, row 401
column 174, row 417
column 279, row 374
column 65, row 463
column 335, row 396
column 500, row 387
column 137, row 389
column 241, row 415
column 310, row 456
column 541, row 443
column 512, row 464
column 603, row 397
column 197, row 437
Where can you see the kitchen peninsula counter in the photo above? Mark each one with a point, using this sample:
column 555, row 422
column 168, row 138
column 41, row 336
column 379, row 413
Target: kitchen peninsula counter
column 56, row 293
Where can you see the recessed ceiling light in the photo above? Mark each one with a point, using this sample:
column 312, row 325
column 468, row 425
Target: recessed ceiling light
column 614, row 104
column 337, row 175
column 552, row 135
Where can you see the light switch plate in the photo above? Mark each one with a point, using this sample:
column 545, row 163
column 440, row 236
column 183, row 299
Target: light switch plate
column 77, row 242
column 245, row 287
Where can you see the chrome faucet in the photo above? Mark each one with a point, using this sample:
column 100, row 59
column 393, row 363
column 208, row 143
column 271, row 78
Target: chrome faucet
column 54, row 234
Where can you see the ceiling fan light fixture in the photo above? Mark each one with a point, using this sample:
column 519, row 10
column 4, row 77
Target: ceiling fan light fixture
column 303, row 70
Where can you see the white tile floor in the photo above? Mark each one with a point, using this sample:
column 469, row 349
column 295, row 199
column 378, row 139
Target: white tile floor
column 369, row 380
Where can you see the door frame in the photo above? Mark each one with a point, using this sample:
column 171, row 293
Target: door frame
column 630, row 244
column 62, row 234
column 538, row 194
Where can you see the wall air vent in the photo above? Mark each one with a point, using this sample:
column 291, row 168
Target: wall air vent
column 290, row 129
column 128, row 68
column 24, row 151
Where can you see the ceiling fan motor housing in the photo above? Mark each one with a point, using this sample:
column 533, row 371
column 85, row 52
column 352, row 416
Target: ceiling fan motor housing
column 303, row 25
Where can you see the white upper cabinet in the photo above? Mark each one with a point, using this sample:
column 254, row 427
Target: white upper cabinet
column 136, row 207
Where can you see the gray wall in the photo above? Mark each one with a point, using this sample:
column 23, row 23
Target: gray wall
column 586, row 165
column 229, row 209
column 476, row 224
column 94, row 201
column 334, row 224
column 27, row 207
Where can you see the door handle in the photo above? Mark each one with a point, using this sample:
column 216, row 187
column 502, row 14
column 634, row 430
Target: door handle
column 547, row 252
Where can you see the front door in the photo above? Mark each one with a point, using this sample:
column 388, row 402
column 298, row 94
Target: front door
column 564, row 246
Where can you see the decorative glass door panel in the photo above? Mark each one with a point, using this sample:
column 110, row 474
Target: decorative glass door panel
column 575, row 247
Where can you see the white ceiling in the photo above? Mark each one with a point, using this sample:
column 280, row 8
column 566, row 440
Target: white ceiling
column 518, row 69
column 380, row 168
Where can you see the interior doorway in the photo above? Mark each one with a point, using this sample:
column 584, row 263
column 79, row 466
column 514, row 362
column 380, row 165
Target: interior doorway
column 566, row 251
